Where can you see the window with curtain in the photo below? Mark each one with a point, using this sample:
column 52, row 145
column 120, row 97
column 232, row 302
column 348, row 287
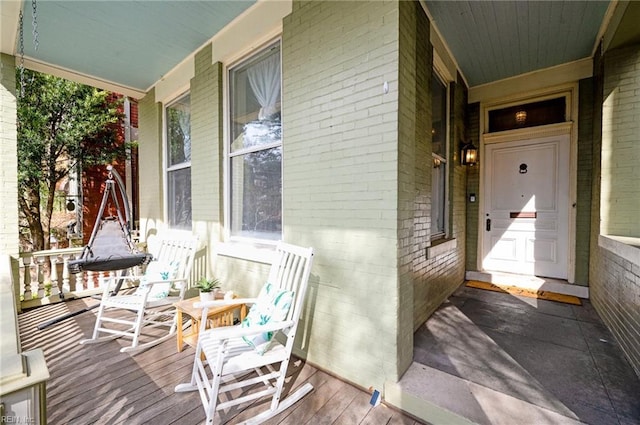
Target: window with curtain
column 178, row 136
column 439, row 157
column 255, row 147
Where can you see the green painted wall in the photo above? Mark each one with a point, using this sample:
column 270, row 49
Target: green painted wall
column 414, row 168
column 340, row 180
column 585, row 167
column 9, row 239
column 150, row 170
column 207, row 157
column 356, row 180
column 473, row 187
column 620, row 173
column 614, row 279
column 8, row 158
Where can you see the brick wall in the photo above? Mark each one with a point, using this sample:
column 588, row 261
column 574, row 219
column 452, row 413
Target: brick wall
column 614, row 279
column 440, row 275
column 434, row 277
column 93, row 183
column 340, row 178
column 414, row 166
column 8, row 158
column 585, row 168
column 354, row 155
column 621, row 143
column 9, row 243
column 473, row 187
column 151, row 172
column 207, row 145
column 615, row 294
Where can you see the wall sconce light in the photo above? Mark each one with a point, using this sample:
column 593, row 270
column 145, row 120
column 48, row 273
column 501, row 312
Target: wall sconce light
column 521, row 117
column 468, row 154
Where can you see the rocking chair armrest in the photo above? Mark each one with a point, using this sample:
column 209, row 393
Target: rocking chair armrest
column 155, row 282
column 226, row 332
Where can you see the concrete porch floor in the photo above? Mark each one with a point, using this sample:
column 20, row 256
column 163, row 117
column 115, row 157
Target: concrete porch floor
column 494, row 358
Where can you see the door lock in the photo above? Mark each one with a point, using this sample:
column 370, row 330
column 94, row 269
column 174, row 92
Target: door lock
column 488, row 225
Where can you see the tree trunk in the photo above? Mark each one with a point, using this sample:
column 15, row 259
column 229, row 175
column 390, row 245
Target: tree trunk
column 48, row 212
column 30, row 204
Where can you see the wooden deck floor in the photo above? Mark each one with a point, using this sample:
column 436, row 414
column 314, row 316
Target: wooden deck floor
column 96, row 384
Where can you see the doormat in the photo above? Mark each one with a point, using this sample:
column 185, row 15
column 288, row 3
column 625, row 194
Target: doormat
column 531, row 293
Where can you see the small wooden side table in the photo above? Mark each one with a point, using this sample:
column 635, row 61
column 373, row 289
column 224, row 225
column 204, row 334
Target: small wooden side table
column 219, row 316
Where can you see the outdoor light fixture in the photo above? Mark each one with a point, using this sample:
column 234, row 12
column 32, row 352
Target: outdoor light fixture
column 521, row 117
column 468, row 154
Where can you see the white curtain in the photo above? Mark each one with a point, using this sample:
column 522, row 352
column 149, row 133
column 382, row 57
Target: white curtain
column 264, row 78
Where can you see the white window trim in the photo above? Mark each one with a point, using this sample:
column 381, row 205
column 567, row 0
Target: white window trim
column 239, row 246
column 165, row 162
column 446, row 161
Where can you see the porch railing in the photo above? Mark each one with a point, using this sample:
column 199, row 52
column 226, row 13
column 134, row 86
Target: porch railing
column 45, row 277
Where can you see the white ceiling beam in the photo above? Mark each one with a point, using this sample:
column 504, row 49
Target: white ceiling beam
column 9, row 21
column 82, row 78
column 530, row 81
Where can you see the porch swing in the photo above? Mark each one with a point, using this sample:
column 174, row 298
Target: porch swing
column 111, row 247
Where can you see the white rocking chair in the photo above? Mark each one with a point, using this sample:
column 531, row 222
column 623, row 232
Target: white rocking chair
column 232, row 354
column 151, row 305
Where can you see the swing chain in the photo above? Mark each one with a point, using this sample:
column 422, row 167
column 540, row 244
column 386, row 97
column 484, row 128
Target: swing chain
column 35, row 24
column 21, row 55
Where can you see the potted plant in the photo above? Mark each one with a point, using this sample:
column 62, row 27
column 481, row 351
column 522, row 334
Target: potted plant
column 207, row 287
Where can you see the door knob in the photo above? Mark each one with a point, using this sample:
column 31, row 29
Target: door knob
column 488, row 225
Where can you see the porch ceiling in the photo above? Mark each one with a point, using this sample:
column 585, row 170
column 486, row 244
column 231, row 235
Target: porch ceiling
column 127, row 43
column 493, row 40
column 133, row 44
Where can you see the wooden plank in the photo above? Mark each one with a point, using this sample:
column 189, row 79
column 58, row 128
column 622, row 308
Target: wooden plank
column 324, row 386
column 513, row 290
column 98, row 384
column 379, row 414
column 338, row 403
column 356, row 411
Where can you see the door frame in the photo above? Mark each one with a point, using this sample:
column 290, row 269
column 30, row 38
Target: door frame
column 570, row 127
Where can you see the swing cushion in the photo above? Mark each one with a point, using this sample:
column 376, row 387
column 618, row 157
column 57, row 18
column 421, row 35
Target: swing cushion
column 272, row 305
column 159, row 271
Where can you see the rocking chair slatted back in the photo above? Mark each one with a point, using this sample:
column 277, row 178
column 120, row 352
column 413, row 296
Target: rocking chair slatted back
column 238, row 356
column 152, row 303
column 182, row 250
column 288, row 271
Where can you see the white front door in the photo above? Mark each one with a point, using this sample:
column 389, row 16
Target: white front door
column 526, row 203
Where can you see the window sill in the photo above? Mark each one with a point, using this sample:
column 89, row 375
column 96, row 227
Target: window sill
column 251, row 251
column 625, row 247
column 441, row 247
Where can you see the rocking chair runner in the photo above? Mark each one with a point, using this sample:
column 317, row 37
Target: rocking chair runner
column 231, row 353
column 151, row 305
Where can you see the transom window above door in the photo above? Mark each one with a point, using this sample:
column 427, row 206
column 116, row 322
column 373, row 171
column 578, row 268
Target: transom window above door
column 543, row 112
